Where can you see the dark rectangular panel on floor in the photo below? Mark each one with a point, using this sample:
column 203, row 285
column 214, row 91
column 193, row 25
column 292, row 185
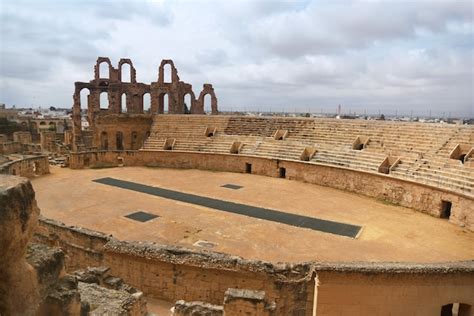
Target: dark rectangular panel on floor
column 241, row 209
column 232, row 186
column 141, row 216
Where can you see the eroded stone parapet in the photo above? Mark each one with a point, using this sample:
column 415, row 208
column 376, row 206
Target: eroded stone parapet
column 196, row 308
column 18, row 219
column 284, row 272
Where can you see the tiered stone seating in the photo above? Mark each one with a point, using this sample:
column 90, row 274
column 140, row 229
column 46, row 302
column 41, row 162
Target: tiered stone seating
column 423, row 149
column 434, row 167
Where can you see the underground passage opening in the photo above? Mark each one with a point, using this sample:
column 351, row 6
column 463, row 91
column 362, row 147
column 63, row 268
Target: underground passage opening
column 445, row 209
column 282, row 172
column 248, row 168
column 456, row 309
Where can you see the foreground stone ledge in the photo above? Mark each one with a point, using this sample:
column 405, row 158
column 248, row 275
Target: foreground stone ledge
column 209, row 259
column 183, row 308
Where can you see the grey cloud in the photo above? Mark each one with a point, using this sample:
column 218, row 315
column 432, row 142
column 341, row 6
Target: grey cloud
column 338, row 27
column 211, row 57
column 362, row 54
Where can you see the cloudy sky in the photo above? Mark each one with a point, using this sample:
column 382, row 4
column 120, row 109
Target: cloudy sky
column 406, row 55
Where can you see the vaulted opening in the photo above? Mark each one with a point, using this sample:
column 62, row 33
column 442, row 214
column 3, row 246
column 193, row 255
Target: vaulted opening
column 126, row 73
column 187, row 103
column 104, row 70
column 167, row 73
column 280, row 134
column 134, row 140
column 456, row 309
column 461, row 151
column 164, row 102
column 445, row 209
column 282, row 172
column 248, row 167
column 104, row 100
column 146, row 102
column 104, row 141
column 360, row 142
column 169, row 144
column 210, row 131
column 123, row 107
column 119, row 140
column 207, row 103
column 84, row 104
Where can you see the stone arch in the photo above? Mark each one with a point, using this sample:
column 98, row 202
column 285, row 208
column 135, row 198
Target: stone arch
column 124, row 103
column 188, row 101
column 84, row 98
column 207, row 89
column 459, row 309
column 206, row 103
column 174, row 72
column 97, row 68
column 134, row 140
column 119, row 140
column 52, row 126
column 146, row 102
column 104, row 100
column 164, row 102
column 104, row 141
column 132, row 72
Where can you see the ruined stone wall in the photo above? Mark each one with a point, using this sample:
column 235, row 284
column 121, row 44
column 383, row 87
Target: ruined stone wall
column 19, row 292
column 22, row 137
column 134, row 130
column 414, row 291
column 26, row 167
column 418, row 196
column 82, row 247
column 10, row 148
column 173, row 273
column 126, row 96
column 33, row 280
column 47, row 140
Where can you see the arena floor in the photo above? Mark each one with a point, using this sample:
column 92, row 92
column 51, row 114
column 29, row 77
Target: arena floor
column 389, row 233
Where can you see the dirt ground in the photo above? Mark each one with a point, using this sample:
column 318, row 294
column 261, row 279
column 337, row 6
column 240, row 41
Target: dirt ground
column 390, row 233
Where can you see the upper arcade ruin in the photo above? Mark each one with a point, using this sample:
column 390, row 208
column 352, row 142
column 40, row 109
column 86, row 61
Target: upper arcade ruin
column 126, row 95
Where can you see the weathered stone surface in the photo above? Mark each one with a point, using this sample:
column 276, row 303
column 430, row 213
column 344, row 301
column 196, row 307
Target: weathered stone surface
column 19, row 292
column 62, row 298
column 49, row 265
column 104, row 301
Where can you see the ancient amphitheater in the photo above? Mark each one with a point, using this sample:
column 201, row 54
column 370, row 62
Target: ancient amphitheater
column 235, row 215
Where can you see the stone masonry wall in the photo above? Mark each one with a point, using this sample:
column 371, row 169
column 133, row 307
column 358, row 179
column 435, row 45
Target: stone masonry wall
column 400, row 294
column 26, row 167
column 172, row 273
column 19, row 292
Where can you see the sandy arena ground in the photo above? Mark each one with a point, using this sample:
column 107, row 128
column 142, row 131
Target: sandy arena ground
column 390, row 233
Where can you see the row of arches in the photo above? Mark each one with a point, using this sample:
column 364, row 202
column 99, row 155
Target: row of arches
column 119, row 142
column 125, row 71
column 146, row 98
